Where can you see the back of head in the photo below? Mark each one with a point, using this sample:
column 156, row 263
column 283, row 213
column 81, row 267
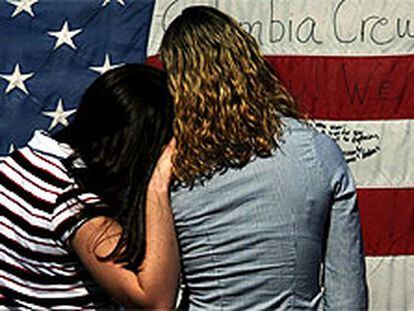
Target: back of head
column 123, row 109
column 122, row 124
column 227, row 99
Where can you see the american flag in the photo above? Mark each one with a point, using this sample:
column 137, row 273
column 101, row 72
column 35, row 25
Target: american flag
column 51, row 51
column 349, row 64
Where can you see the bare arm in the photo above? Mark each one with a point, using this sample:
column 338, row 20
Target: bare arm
column 155, row 285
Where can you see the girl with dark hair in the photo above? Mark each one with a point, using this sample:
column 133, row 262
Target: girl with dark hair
column 265, row 207
column 85, row 212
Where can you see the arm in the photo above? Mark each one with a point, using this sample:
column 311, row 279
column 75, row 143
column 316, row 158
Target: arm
column 154, row 286
column 344, row 274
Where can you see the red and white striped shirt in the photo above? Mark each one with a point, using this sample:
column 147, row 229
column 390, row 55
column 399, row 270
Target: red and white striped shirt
column 39, row 212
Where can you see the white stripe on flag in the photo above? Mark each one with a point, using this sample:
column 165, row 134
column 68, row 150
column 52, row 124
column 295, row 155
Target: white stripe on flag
column 380, row 153
column 389, row 278
column 292, row 27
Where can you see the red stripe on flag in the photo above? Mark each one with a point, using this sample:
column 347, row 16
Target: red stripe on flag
column 348, row 88
column 154, row 61
column 387, row 221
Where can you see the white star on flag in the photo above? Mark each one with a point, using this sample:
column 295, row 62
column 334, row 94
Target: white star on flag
column 59, row 115
column 106, row 2
column 16, row 79
column 65, row 36
column 11, row 148
column 23, row 6
column 105, row 66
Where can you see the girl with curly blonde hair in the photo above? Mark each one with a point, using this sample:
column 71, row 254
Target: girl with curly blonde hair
column 263, row 204
column 228, row 101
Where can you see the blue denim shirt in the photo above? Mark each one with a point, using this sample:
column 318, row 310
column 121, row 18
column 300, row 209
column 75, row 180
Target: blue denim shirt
column 281, row 233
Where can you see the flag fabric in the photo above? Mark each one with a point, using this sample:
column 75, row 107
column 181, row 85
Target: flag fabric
column 52, row 50
column 349, row 63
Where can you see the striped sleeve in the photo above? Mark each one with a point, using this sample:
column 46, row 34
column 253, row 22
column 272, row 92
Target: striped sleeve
column 68, row 214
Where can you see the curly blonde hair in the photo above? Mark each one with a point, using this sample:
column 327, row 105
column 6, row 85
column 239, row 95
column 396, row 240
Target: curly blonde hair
column 227, row 99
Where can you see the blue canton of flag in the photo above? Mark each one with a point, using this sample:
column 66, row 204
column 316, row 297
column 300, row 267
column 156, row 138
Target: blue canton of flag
column 52, row 50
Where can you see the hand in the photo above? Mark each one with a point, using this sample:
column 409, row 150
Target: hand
column 161, row 177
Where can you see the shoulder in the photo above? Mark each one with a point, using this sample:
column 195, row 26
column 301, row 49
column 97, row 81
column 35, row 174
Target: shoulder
column 38, row 165
column 38, row 168
column 325, row 150
column 46, row 154
column 328, row 151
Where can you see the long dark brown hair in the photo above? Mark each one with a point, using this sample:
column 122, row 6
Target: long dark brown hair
column 227, row 99
column 122, row 124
